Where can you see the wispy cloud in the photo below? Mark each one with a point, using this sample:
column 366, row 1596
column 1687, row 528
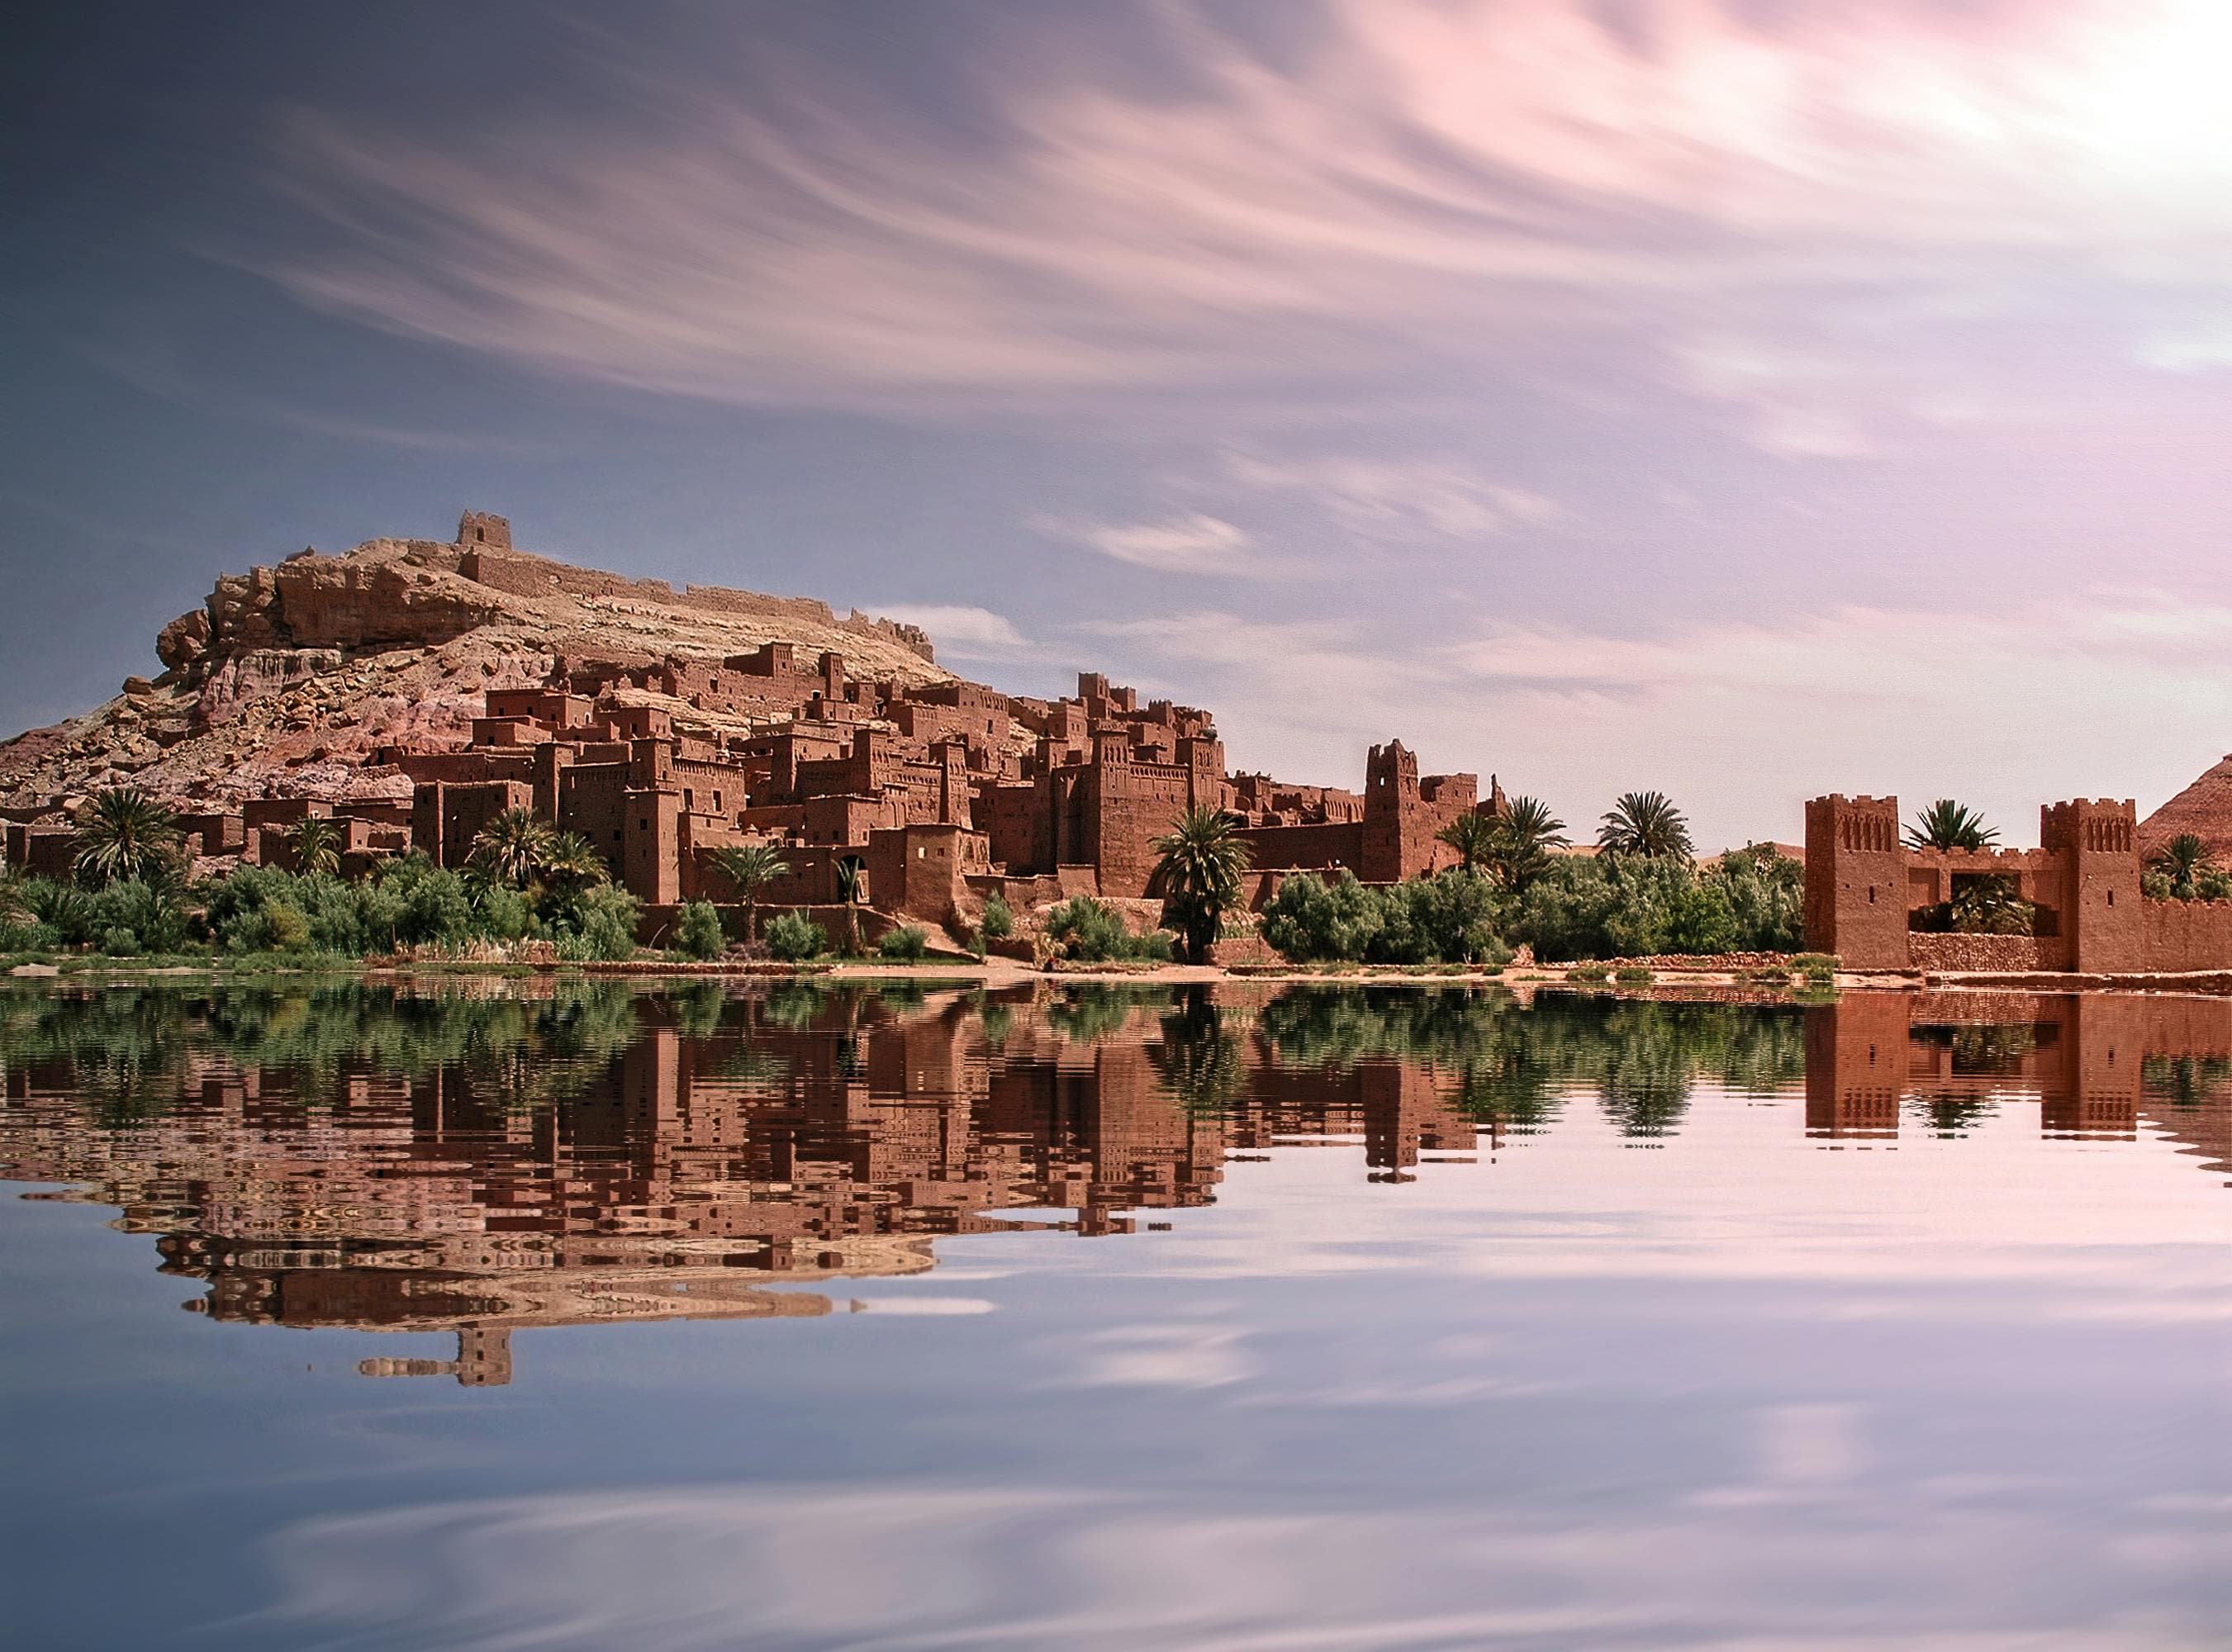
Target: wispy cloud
column 958, row 631
column 1192, row 544
column 1401, row 496
column 1461, row 181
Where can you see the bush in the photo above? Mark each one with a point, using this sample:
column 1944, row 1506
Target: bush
column 1315, row 920
column 63, row 909
column 1453, row 917
column 1591, row 972
column 147, row 913
column 999, row 918
column 1633, row 975
column 600, row 925
column 905, row 944
column 1090, row 931
column 698, row 934
column 795, row 937
column 1815, row 965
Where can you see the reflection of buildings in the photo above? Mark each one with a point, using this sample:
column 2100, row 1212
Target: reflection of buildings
column 2097, row 1064
column 723, row 1172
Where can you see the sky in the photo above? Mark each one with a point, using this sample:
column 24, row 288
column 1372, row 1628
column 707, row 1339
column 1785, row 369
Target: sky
column 1741, row 399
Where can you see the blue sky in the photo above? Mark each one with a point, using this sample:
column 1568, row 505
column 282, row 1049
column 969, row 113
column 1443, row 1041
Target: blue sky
column 1744, row 400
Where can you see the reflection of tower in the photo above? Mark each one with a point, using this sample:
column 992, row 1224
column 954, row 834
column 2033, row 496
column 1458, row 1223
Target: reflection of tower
column 2098, row 1096
column 483, row 1360
column 1388, row 1092
column 484, row 1356
column 1856, row 1064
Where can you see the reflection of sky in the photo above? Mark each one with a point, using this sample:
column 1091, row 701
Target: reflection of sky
column 1743, row 1389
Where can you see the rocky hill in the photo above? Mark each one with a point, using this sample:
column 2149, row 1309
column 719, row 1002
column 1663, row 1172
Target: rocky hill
column 289, row 679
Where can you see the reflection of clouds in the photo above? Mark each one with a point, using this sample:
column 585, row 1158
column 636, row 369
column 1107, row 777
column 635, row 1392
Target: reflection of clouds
column 1162, row 1355
column 899, row 1570
column 1742, row 1194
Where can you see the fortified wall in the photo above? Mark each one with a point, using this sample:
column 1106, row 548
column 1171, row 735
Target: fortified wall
column 1866, row 886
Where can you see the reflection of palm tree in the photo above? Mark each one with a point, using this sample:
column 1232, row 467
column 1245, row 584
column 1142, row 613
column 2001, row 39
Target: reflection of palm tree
column 1200, row 1061
column 1951, row 1115
column 2184, row 1080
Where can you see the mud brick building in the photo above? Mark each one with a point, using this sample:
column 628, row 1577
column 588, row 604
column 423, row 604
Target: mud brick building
column 933, row 792
column 1865, row 888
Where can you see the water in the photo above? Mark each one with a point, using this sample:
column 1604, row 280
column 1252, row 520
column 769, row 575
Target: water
column 593, row 1316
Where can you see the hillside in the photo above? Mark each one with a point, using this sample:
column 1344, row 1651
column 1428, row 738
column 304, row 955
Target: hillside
column 289, row 677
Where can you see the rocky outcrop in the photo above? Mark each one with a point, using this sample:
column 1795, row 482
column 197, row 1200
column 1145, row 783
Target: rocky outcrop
column 292, row 677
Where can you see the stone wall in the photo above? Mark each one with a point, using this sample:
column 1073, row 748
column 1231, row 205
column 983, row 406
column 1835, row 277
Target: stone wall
column 2020, row 954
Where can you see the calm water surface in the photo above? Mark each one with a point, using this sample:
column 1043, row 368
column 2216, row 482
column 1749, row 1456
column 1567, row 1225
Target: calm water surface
column 591, row 1316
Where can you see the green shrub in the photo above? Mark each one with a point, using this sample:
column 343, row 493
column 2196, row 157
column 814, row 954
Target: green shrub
column 999, row 918
column 63, row 910
column 600, row 925
column 149, row 913
column 1815, row 965
column 1318, row 920
column 905, row 944
column 1090, row 931
column 795, row 937
column 1589, row 971
column 1633, row 975
column 698, row 933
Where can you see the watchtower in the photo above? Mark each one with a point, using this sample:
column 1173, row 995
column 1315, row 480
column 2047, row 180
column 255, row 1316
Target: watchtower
column 481, row 530
column 1391, row 815
column 1855, row 881
column 2096, row 841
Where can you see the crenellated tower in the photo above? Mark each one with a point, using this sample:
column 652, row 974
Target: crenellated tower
column 1855, row 881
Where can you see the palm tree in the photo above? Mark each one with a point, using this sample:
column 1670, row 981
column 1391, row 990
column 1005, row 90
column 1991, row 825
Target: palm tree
column 1948, row 825
column 570, row 863
column 751, row 867
column 1198, row 875
column 1472, row 835
column 1990, row 905
column 125, row 835
column 1646, row 825
column 315, row 841
column 511, row 848
column 849, row 868
column 1524, row 836
column 2185, row 860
